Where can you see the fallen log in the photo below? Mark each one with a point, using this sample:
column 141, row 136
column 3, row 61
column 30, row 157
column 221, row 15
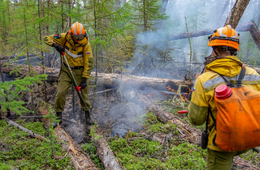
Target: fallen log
column 30, row 133
column 78, row 158
column 188, row 133
column 241, row 28
column 122, row 82
column 106, row 155
column 118, row 81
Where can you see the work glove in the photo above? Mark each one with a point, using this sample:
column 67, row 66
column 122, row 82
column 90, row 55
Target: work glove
column 58, row 48
column 83, row 83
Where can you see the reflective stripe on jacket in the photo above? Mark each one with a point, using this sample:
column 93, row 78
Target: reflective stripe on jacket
column 77, row 54
column 203, row 96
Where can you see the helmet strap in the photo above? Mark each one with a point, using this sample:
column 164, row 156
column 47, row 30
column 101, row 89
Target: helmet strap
column 217, row 56
column 233, row 52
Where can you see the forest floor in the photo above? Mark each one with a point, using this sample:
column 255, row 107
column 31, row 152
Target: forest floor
column 166, row 148
column 167, row 151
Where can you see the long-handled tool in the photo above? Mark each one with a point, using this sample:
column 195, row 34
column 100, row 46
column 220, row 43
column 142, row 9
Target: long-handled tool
column 76, row 85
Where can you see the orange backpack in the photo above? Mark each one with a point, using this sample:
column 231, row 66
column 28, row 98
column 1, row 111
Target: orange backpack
column 238, row 118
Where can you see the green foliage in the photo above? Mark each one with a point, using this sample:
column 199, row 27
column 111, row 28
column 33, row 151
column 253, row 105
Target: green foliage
column 252, row 157
column 90, row 148
column 11, row 90
column 140, row 154
column 28, row 153
column 147, row 13
column 153, row 125
column 187, row 156
column 178, row 102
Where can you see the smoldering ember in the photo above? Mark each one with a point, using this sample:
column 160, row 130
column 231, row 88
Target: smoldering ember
column 139, row 61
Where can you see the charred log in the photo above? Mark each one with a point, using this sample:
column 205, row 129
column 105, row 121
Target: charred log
column 78, row 158
column 117, row 81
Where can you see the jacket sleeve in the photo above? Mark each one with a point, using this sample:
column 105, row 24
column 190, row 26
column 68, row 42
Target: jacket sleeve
column 88, row 61
column 57, row 38
column 198, row 108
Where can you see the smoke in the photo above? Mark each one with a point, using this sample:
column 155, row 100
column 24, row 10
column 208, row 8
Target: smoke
column 160, row 55
column 162, row 52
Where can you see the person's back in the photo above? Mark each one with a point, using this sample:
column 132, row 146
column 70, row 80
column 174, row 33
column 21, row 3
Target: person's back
column 228, row 65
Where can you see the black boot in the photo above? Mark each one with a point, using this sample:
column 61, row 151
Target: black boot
column 59, row 115
column 88, row 119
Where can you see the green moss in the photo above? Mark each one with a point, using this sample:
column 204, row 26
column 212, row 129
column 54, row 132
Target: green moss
column 90, row 149
column 145, row 154
column 187, row 156
column 153, row 125
column 20, row 151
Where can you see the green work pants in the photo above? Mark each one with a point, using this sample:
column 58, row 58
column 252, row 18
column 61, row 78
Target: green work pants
column 218, row 160
column 64, row 83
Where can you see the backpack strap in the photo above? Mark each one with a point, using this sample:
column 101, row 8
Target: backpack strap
column 241, row 76
column 214, row 120
column 227, row 82
column 214, row 124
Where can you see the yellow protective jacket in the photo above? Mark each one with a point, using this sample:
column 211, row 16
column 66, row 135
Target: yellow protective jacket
column 77, row 54
column 203, row 96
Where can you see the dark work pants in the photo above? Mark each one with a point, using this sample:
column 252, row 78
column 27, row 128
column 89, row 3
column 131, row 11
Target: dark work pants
column 64, row 83
column 218, row 160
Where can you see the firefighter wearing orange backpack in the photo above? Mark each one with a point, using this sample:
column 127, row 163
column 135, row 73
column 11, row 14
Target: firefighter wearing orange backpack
column 225, row 68
column 75, row 46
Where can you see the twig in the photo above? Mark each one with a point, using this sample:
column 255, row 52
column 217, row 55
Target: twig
column 100, row 92
column 190, row 48
column 30, row 133
column 137, row 65
column 21, row 137
column 148, row 137
column 180, row 131
column 27, row 117
column 119, row 135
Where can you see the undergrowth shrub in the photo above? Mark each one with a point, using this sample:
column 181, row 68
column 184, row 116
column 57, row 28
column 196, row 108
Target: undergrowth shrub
column 145, row 154
column 90, row 148
column 154, row 125
column 22, row 152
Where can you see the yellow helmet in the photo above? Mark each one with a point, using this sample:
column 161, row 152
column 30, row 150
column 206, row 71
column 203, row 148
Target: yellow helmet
column 77, row 31
column 225, row 36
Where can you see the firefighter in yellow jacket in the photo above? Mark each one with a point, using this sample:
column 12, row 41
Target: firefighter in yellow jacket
column 77, row 50
column 225, row 44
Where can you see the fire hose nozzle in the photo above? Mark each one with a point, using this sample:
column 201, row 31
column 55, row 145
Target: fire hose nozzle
column 78, row 88
column 182, row 111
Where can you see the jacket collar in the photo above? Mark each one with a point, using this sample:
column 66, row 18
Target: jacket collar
column 228, row 66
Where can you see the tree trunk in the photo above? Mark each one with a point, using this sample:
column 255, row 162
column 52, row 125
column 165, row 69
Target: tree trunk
column 236, row 13
column 6, row 99
column 40, row 33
